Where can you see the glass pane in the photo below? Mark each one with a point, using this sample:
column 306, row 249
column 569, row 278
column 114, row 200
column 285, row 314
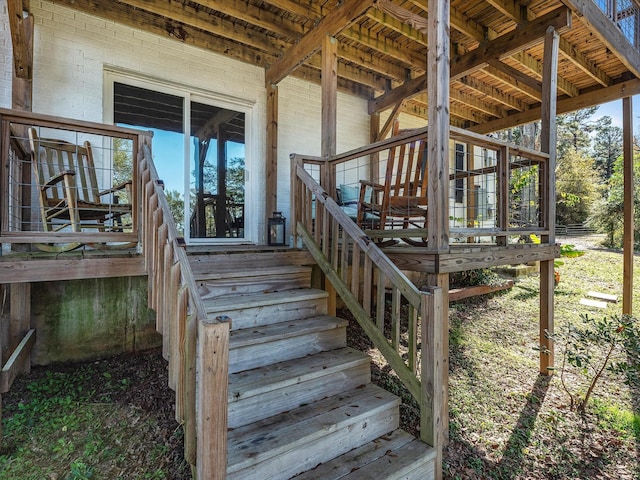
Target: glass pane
column 163, row 114
column 217, row 195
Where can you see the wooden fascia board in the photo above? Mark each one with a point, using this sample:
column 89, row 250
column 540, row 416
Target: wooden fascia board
column 605, row 29
column 500, row 47
column 565, row 105
column 21, row 44
column 334, row 22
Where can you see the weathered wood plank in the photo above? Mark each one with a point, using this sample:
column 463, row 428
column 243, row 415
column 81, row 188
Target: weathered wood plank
column 213, row 364
column 462, row 293
column 70, row 269
column 15, row 364
column 335, row 21
column 433, row 393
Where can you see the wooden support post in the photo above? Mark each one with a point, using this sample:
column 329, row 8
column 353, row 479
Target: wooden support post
column 190, row 380
column 212, row 411
column 272, row 152
column 548, row 145
column 433, row 381
column 438, row 136
column 329, row 128
column 627, row 242
column 374, row 158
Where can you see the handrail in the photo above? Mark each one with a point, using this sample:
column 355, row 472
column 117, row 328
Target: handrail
column 196, row 346
column 354, row 264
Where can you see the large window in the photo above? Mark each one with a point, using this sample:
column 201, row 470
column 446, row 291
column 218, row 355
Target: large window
column 199, row 149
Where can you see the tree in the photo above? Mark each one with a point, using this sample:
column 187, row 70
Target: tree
column 576, row 188
column 607, row 146
column 573, row 131
column 608, row 212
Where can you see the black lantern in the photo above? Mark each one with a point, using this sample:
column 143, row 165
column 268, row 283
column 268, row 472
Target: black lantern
column 276, row 227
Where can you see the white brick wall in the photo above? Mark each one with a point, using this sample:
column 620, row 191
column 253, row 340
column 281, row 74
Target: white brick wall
column 5, row 57
column 72, row 49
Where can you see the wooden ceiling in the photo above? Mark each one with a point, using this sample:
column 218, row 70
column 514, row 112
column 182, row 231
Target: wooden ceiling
column 496, row 48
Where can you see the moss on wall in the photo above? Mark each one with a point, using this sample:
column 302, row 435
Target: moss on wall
column 84, row 319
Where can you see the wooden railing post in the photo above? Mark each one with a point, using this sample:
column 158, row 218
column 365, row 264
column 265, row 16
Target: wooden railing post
column 213, row 371
column 432, row 375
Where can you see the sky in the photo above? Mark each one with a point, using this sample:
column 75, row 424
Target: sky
column 614, row 110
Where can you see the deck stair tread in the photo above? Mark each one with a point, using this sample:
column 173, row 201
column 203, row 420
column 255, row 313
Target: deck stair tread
column 278, row 331
column 234, row 272
column 256, row 346
column 276, row 437
column 253, row 382
column 389, row 457
column 239, row 302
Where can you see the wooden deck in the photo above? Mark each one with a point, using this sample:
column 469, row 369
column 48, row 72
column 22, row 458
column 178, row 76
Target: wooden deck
column 468, row 256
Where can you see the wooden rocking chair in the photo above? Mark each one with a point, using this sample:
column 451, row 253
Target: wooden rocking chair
column 68, row 191
column 399, row 205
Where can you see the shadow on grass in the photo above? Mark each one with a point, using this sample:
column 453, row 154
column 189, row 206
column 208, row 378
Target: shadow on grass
column 520, row 437
column 466, row 461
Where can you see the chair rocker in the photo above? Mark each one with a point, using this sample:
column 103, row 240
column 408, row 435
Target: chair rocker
column 400, row 203
column 70, row 200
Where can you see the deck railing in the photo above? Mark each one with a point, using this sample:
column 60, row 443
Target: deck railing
column 21, row 211
column 626, row 15
column 410, row 338
column 496, row 194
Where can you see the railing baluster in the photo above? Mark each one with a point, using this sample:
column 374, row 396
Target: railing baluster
column 355, row 270
column 380, row 304
column 367, row 282
column 395, row 318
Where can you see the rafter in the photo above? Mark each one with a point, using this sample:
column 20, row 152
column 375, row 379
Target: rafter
column 332, row 24
column 490, row 91
column 511, row 77
column 536, row 67
column 522, row 14
column 479, row 58
column 594, row 97
column 396, row 25
column 608, row 32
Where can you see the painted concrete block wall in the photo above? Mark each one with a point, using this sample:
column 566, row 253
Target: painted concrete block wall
column 85, row 319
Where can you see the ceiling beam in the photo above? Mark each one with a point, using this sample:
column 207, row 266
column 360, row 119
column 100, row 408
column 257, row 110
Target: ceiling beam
column 591, row 98
column 500, row 47
column 515, row 79
column 332, row 24
column 536, row 66
column 608, row 32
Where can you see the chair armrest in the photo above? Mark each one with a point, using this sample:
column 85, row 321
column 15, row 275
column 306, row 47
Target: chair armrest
column 124, row 185
column 367, row 183
column 57, row 179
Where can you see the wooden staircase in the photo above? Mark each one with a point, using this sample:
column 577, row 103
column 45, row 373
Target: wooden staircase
column 301, row 403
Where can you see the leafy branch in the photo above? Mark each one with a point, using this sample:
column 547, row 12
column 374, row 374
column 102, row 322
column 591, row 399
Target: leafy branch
column 610, row 344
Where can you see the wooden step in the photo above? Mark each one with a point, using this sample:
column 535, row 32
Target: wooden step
column 245, row 259
column 262, row 392
column 246, row 311
column 260, row 280
column 255, row 347
column 282, row 446
column 395, row 456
